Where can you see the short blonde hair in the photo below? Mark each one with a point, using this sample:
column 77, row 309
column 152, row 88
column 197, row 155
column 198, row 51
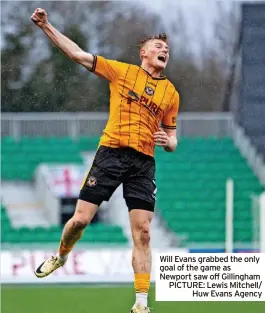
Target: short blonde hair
column 160, row 36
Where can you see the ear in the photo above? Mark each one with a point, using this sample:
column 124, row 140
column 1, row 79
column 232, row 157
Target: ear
column 142, row 53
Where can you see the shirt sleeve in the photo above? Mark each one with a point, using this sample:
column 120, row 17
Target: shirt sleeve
column 108, row 69
column 169, row 120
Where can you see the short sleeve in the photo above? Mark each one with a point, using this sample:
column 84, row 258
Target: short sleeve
column 108, row 69
column 169, row 120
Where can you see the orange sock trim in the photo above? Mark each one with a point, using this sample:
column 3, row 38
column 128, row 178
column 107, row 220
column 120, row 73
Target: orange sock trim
column 142, row 282
column 64, row 250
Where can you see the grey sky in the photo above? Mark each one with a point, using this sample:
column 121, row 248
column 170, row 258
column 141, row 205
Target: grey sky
column 198, row 13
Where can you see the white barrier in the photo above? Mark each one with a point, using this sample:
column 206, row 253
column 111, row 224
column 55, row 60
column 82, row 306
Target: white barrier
column 90, row 266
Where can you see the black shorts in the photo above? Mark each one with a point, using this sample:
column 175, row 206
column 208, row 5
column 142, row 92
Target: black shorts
column 114, row 166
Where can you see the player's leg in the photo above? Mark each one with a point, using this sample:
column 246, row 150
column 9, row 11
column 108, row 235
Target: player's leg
column 72, row 232
column 141, row 255
column 74, row 228
column 98, row 186
column 140, row 194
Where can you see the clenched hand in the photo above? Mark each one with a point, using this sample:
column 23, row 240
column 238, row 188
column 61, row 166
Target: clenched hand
column 40, row 17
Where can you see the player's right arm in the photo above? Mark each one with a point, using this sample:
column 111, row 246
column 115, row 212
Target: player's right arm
column 64, row 44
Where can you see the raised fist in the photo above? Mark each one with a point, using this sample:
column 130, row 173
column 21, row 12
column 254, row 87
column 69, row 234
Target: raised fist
column 39, row 17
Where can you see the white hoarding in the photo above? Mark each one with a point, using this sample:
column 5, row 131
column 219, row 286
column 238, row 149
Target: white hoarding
column 91, row 265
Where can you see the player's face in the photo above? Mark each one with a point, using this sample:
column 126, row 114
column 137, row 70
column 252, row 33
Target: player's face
column 157, row 54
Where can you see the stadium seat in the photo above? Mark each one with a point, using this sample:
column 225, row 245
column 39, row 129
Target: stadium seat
column 191, row 190
column 21, row 158
column 191, row 186
column 95, row 234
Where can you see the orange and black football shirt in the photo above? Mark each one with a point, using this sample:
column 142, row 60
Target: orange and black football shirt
column 139, row 105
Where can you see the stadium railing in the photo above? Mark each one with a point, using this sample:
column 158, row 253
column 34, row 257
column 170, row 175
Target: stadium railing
column 75, row 125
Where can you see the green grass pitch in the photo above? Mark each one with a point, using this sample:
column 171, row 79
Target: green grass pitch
column 110, row 299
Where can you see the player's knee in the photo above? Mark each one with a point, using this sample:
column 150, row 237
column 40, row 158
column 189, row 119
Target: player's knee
column 145, row 236
column 79, row 223
column 142, row 234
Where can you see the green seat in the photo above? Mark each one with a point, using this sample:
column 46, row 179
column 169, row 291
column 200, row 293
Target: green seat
column 95, row 233
column 191, row 193
column 191, row 186
column 20, row 158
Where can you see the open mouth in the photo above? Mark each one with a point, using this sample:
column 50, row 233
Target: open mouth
column 162, row 58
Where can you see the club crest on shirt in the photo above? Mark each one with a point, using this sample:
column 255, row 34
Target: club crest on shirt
column 150, row 91
column 91, row 181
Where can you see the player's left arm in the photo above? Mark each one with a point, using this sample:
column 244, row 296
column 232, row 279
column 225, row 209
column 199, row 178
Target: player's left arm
column 166, row 137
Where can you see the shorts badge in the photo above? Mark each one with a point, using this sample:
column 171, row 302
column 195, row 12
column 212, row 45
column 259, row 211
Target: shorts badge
column 91, row 181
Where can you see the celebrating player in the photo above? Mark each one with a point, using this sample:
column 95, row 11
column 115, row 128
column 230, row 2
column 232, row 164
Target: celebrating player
column 143, row 111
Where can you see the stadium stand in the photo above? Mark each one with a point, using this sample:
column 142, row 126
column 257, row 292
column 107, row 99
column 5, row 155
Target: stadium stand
column 19, row 161
column 191, row 184
column 192, row 192
column 94, row 234
column 251, row 109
